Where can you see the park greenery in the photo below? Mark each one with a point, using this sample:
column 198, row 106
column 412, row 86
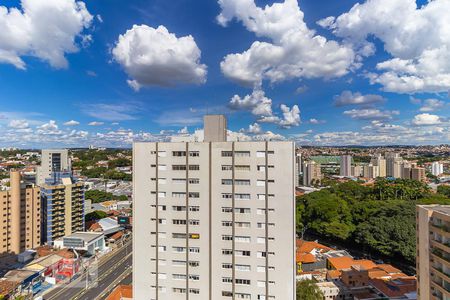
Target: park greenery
column 87, row 162
column 95, row 215
column 308, row 290
column 98, row 196
column 378, row 218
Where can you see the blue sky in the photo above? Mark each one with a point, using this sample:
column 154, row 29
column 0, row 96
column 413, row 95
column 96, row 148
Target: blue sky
column 328, row 72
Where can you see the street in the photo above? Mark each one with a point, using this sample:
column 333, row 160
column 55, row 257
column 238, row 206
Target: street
column 109, row 272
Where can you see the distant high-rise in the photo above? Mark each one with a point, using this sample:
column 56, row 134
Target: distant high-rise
column 298, row 168
column 346, row 165
column 52, row 160
column 213, row 219
column 311, row 173
column 20, row 217
column 381, row 163
column 437, row 168
column 63, row 206
column 393, row 165
column 418, row 174
column 433, row 254
column 371, row 171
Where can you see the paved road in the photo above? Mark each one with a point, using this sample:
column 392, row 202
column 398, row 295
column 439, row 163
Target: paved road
column 126, row 281
column 109, row 270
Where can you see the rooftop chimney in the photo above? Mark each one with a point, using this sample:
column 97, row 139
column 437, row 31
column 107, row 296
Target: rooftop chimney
column 215, row 128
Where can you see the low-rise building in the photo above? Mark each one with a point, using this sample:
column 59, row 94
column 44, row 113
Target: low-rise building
column 88, row 242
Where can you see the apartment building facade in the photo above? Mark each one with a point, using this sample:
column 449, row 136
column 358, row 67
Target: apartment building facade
column 311, row 173
column 346, row 165
column 433, row 251
column 63, row 206
column 52, row 160
column 214, row 220
column 20, row 216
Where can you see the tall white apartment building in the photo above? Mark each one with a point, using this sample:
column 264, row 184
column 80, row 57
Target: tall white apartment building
column 394, row 164
column 437, row 168
column 214, row 219
column 346, row 165
column 52, row 160
column 381, row 163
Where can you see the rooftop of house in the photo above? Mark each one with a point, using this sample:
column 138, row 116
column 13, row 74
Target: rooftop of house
column 346, row 262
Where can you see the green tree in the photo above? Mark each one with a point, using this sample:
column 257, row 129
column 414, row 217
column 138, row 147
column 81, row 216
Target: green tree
column 308, row 290
column 95, row 215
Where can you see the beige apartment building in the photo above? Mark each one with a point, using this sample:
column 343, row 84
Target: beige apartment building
column 214, row 219
column 433, row 251
column 63, row 208
column 20, row 216
column 311, row 173
column 52, row 160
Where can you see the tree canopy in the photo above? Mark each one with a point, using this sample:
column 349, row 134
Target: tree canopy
column 379, row 218
column 308, row 290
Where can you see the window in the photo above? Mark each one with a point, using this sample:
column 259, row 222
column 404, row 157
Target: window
column 194, row 153
column 227, row 237
column 179, row 153
column 227, row 223
column 194, row 250
column 244, row 268
column 178, row 222
column 227, row 266
column 227, row 195
column 161, row 194
column 227, row 209
column 179, row 249
column 243, row 224
column 194, row 167
column 227, row 251
column 260, row 183
column 179, row 167
column 162, row 153
column 161, row 180
column 179, row 208
column 194, row 181
column 242, row 168
column 178, row 195
column 179, row 180
column 227, row 280
column 162, row 167
column 242, row 153
column 179, row 235
column 242, row 196
column 194, row 195
column 227, row 181
column 179, row 276
column 243, row 239
column 194, row 208
column 227, row 167
column 194, row 222
column 227, row 153
column 242, row 253
column 242, row 210
column 243, row 281
column 242, row 182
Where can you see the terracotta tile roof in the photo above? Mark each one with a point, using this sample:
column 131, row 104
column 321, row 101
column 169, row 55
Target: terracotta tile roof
column 95, row 227
column 333, row 274
column 345, row 262
column 117, row 235
column 388, row 268
column 121, row 292
column 377, row 273
column 307, row 246
column 305, row 258
column 395, row 288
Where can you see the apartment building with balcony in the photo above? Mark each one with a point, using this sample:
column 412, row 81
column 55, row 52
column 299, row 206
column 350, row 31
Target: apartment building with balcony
column 433, row 251
column 52, row 160
column 214, row 219
column 63, row 206
column 20, row 216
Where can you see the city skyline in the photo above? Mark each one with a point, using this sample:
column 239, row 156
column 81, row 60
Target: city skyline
column 292, row 70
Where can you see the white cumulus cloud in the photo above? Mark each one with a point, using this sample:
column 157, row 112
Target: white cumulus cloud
column 417, row 38
column 95, row 123
column 156, row 57
column 426, row 119
column 371, row 114
column 349, row 98
column 46, row 29
column 71, row 123
column 289, row 48
column 18, row 124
